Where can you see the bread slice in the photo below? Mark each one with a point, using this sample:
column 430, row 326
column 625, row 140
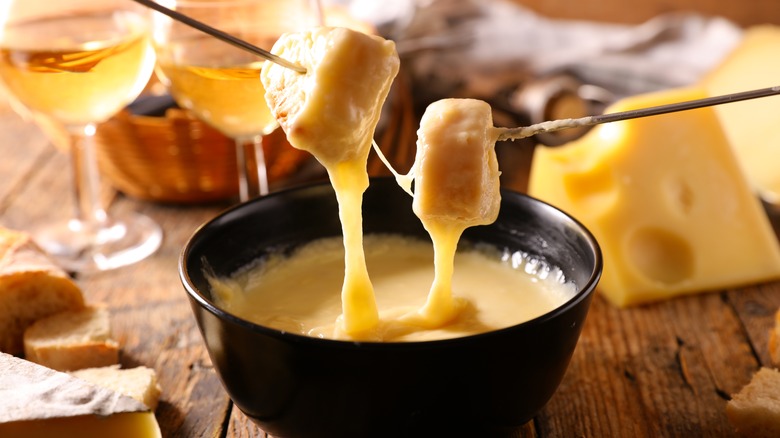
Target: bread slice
column 755, row 410
column 774, row 341
column 72, row 340
column 139, row 382
column 31, row 287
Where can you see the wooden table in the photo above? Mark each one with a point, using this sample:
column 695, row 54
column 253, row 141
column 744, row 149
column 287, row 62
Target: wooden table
column 665, row 369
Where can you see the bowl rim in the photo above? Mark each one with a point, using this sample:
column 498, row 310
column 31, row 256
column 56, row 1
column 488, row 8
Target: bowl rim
column 584, row 292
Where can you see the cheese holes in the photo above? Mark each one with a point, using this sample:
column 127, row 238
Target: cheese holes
column 660, row 255
column 679, row 195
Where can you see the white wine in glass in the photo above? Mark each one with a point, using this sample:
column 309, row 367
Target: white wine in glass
column 78, row 63
column 220, row 83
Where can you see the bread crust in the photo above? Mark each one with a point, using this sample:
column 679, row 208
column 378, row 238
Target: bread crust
column 31, row 287
column 755, row 410
column 72, row 340
column 774, row 341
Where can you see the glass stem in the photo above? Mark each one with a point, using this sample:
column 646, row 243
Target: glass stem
column 86, row 178
column 319, row 15
column 252, row 174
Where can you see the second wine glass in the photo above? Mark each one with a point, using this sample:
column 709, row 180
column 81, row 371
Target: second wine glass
column 220, row 83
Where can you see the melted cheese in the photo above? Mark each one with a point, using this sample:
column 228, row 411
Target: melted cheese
column 299, row 294
column 332, row 112
column 456, row 187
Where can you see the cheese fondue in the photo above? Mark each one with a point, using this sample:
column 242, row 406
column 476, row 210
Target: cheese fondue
column 332, row 111
column 299, row 294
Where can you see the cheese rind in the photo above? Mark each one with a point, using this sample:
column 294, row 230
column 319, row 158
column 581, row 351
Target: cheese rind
column 139, row 383
column 752, row 125
column 29, row 391
column 666, row 200
column 39, row 402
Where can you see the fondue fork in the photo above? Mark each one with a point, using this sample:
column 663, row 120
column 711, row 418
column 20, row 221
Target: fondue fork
column 505, row 133
column 224, row 36
column 557, row 125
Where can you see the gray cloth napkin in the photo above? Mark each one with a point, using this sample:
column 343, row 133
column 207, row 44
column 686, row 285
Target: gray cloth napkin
column 445, row 42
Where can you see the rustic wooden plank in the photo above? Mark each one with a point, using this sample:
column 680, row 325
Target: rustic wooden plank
column 24, row 150
column 195, row 404
column 756, row 307
column 658, row 370
column 241, row 426
column 153, row 322
column 163, row 336
column 43, row 197
column 155, row 278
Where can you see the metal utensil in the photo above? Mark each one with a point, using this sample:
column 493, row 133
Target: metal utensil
column 557, row 125
column 230, row 39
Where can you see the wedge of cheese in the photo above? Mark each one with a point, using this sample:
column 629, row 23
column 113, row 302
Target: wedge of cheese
column 456, row 171
column 333, row 109
column 752, row 125
column 37, row 402
column 139, row 382
column 665, row 198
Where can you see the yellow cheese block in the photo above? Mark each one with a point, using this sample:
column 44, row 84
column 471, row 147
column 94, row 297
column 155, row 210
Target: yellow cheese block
column 752, row 126
column 126, row 425
column 39, row 402
column 665, row 198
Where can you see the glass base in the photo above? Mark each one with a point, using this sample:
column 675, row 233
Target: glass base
column 81, row 247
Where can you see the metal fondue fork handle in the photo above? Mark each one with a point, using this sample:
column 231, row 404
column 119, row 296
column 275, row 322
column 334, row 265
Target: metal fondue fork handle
column 557, row 125
column 226, row 37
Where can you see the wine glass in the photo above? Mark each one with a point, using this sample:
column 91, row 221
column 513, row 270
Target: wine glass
column 77, row 63
column 220, row 83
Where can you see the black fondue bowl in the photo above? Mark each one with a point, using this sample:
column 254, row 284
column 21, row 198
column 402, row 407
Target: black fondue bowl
column 297, row 386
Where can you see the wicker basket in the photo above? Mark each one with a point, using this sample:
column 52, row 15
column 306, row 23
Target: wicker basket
column 178, row 158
